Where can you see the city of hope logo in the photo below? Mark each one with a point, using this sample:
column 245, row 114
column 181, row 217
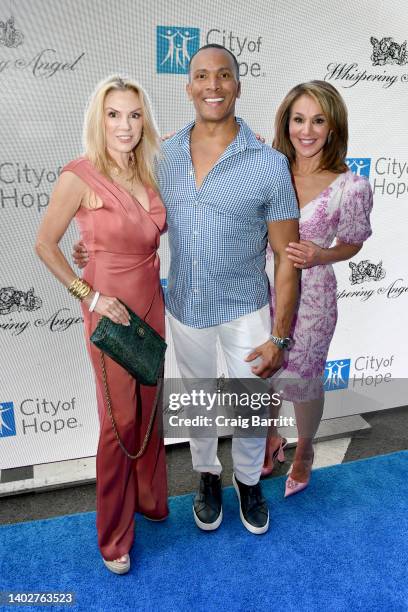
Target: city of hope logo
column 7, row 422
column 336, row 374
column 175, row 47
column 359, row 165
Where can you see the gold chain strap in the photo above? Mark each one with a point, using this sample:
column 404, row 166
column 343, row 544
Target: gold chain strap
column 109, row 406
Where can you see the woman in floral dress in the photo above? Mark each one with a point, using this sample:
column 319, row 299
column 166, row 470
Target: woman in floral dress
column 335, row 205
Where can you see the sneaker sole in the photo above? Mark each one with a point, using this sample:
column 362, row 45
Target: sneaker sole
column 207, row 526
column 251, row 528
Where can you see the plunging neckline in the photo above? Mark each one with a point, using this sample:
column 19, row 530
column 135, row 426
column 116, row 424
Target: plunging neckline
column 133, row 197
column 323, row 190
column 110, row 181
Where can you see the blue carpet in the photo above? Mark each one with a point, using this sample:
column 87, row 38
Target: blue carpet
column 342, row 545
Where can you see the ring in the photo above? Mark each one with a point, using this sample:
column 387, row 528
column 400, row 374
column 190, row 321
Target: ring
column 304, row 261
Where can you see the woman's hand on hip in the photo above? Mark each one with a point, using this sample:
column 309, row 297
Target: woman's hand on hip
column 80, row 254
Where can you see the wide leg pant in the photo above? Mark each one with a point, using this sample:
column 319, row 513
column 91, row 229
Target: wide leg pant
column 125, row 486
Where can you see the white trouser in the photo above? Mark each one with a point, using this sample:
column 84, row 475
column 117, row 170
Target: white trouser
column 196, row 358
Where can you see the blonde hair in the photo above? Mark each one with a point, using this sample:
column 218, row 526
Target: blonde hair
column 143, row 161
column 335, row 111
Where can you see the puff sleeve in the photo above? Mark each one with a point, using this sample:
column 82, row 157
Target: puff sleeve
column 355, row 208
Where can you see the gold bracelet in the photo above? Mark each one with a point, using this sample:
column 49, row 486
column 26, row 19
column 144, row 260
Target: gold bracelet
column 79, row 288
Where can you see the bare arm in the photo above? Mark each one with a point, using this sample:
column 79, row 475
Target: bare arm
column 280, row 233
column 64, row 203
column 306, row 254
column 286, row 283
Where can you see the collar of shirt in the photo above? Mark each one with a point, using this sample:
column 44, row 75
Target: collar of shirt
column 245, row 139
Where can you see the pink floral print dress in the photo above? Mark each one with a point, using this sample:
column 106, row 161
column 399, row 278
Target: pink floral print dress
column 341, row 211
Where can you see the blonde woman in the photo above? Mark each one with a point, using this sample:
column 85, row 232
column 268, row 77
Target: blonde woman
column 111, row 193
column 311, row 130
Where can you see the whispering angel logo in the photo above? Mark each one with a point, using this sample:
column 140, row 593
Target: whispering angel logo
column 9, row 36
column 13, row 300
column 336, row 374
column 7, row 422
column 365, row 271
column 175, row 47
column 386, row 51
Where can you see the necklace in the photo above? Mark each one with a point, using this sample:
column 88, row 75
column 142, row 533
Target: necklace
column 120, row 173
column 129, row 183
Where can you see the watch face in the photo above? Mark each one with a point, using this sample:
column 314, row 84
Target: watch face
column 282, row 343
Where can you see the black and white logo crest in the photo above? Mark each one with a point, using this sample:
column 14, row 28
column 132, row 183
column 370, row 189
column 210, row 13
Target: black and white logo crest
column 13, row 300
column 9, row 36
column 366, row 271
column 386, row 51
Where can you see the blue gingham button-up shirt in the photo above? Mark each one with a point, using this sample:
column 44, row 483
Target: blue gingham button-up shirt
column 218, row 233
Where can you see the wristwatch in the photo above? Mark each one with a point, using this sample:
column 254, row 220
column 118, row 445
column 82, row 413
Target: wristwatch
column 282, row 343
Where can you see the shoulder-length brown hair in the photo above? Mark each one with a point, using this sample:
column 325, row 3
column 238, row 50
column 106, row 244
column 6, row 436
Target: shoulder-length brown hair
column 146, row 151
column 335, row 111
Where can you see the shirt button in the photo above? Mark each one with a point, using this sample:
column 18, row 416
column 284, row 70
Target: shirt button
column 195, row 290
column 195, row 233
column 194, row 262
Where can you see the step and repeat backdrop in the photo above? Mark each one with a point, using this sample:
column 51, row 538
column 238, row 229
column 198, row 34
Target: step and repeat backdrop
column 52, row 53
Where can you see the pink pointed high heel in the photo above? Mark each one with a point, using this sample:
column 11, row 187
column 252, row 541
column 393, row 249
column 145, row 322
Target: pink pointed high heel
column 277, row 455
column 294, row 486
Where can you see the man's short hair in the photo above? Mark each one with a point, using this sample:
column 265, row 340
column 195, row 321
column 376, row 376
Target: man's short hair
column 215, row 46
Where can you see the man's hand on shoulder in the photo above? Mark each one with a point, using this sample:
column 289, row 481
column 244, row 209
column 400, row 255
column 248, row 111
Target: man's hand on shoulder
column 260, row 138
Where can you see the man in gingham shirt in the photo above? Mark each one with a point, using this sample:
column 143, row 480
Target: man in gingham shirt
column 226, row 194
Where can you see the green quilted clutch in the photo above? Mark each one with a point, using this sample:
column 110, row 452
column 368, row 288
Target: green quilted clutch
column 138, row 347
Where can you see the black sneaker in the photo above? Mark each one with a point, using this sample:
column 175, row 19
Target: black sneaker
column 253, row 508
column 207, row 507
